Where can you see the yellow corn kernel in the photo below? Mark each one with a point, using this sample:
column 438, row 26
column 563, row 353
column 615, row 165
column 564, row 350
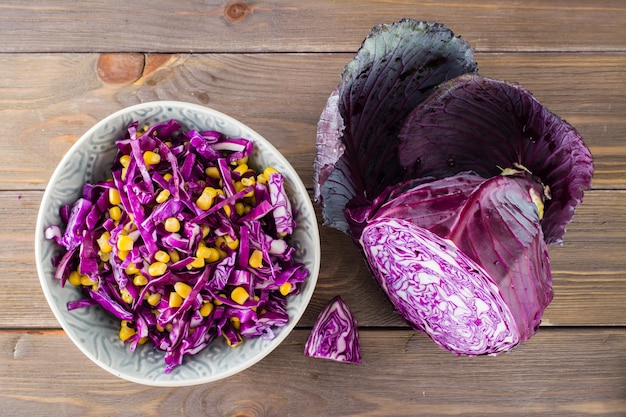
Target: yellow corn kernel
column 182, row 289
column 241, row 169
column 212, row 172
column 230, row 242
column 172, row 224
column 103, row 242
column 240, row 208
column 154, row 299
column 203, row 251
column 261, row 179
column 269, row 171
column 74, row 278
column 123, row 174
column 197, row 263
column 227, row 210
column 122, row 254
column 125, row 160
column 205, row 201
column 86, row 281
column 211, row 255
column 174, row 255
column 206, row 309
column 163, row 196
column 151, row 158
column 247, row 181
column 235, row 322
column 206, row 229
column 162, row 256
column 143, row 340
column 125, row 243
column 126, row 296
column 115, row 213
column 175, row 300
column 285, row 288
column 157, row 269
column 218, row 301
column 104, row 257
column 139, row 280
column 126, row 332
column 131, row 269
column 243, row 160
column 167, row 176
column 114, row 196
column 239, row 295
column 256, row 259
column 159, row 328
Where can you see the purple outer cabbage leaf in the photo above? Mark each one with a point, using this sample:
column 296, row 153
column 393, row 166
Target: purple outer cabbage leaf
column 335, row 334
column 499, row 228
column 484, row 125
column 396, row 68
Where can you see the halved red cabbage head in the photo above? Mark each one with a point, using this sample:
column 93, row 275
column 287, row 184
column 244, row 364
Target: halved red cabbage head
column 438, row 289
column 453, row 205
column 335, row 334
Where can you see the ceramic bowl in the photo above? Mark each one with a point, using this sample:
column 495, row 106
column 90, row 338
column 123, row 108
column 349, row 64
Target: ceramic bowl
column 94, row 331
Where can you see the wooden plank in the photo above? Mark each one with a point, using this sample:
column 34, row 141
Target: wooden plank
column 589, row 269
column 401, row 371
column 286, row 26
column 279, row 95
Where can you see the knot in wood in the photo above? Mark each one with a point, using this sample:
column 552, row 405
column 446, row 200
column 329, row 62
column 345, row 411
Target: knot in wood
column 120, row 68
column 236, row 11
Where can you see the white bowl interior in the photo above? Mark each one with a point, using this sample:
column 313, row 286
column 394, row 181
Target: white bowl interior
column 93, row 330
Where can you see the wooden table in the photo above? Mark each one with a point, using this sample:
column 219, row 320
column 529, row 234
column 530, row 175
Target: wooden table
column 65, row 65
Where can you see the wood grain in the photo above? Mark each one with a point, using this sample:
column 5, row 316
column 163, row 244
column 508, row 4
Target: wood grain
column 306, row 26
column 403, row 373
column 49, row 101
column 589, row 269
column 272, row 64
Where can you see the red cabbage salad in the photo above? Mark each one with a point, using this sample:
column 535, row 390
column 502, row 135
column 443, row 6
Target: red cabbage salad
column 450, row 183
column 184, row 243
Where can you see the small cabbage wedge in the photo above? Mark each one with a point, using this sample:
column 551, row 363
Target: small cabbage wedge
column 335, row 334
column 451, row 184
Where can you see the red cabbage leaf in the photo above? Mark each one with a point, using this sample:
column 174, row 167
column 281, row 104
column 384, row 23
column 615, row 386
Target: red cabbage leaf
column 396, row 68
column 484, row 125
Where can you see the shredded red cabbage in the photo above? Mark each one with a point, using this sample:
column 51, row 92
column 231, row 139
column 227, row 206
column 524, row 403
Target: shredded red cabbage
column 184, row 242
